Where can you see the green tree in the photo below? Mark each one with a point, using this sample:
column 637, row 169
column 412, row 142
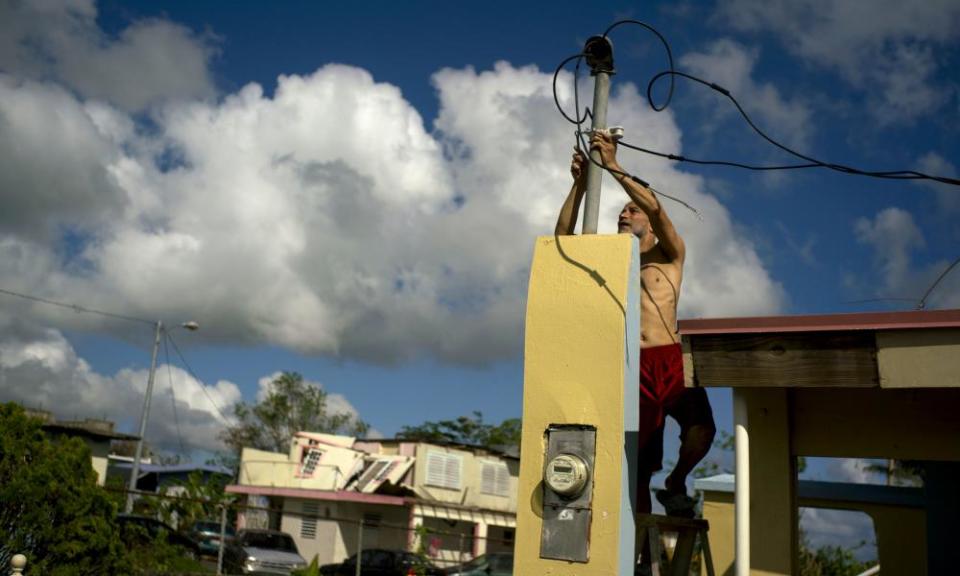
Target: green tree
column 823, row 561
column 828, row 560
column 899, row 472
column 292, row 405
column 51, row 508
column 196, row 499
column 467, row 430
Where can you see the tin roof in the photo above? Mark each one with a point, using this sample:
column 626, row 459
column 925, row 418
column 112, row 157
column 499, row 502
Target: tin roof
column 911, row 320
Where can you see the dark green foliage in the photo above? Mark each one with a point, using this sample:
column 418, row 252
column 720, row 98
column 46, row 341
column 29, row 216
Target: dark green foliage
column 199, row 500
column 829, row 561
column 155, row 557
column 51, row 508
column 467, row 430
column 292, row 406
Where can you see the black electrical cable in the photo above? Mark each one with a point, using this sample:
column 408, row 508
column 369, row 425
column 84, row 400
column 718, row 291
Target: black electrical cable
column 556, row 99
column 666, row 46
column 639, row 181
column 578, row 133
column 672, row 72
column 679, row 158
column 892, row 174
column 77, row 307
column 923, row 301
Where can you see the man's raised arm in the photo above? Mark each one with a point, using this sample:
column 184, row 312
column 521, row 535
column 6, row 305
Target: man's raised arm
column 567, row 220
column 670, row 241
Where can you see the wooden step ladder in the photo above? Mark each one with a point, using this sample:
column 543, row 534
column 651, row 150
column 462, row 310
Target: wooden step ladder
column 687, row 530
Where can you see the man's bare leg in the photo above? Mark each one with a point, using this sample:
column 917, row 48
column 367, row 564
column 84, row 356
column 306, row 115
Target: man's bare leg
column 694, row 447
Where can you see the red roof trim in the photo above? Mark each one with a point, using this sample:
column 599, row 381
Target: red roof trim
column 824, row 322
column 341, row 496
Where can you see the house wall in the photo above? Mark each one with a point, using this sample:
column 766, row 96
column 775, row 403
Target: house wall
column 338, row 463
column 333, row 470
column 260, row 468
column 469, row 494
column 336, row 529
column 99, row 451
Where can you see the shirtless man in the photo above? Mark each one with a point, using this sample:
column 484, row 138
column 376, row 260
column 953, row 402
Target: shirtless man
column 662, row 390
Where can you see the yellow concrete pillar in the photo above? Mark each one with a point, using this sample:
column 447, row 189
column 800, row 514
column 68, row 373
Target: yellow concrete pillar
column 773, row 481
column 581, row 367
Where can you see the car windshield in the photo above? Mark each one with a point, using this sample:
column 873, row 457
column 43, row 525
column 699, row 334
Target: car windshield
column 212, row 527
column 270, row 541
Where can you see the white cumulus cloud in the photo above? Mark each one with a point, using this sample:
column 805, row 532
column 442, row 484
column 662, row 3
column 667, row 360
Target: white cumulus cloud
column 731, row 64
column 888, row 49
column 148, row 62
column 895, row 238
column 328, row 219
column 40, row 369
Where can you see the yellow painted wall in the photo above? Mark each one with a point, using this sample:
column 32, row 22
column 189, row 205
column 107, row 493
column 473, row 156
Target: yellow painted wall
column 99, row 452
column 901, row 532
column 262, row 468
column 719, row 511
column 578, row 354
column 919, row 358
column 470, row 493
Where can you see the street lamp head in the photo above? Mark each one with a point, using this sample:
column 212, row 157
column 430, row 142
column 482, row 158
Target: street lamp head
column 191, row 325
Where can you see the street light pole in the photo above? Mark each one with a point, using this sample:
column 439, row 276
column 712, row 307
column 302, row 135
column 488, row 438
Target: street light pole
column 135, row 470
column 145, row 414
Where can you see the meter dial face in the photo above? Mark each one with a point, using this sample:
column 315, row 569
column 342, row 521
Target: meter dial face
column 566, row 474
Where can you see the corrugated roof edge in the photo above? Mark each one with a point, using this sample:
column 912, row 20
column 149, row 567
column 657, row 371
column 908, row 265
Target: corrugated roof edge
column 912, row 320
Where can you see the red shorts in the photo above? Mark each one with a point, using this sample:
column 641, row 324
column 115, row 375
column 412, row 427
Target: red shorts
column 662, row 394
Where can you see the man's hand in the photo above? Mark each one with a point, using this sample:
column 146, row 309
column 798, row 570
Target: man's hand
column 607, row 147
column 578, row 165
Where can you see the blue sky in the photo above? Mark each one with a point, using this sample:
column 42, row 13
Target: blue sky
column 352, row 191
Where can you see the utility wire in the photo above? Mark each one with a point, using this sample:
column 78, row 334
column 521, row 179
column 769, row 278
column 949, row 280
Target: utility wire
column 921, row 304
column 580, row 144
column 173, row 394
column 77, row 307
column 811, row 162
column 666, row 46
column 923, row 301
column 641, row 182
column 195, row 377
column 679, row 158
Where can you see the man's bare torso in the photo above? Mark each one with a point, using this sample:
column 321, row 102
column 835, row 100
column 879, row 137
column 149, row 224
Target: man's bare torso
column 660, row 281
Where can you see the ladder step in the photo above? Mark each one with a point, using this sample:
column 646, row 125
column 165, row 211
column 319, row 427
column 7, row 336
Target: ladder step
column 687, row 529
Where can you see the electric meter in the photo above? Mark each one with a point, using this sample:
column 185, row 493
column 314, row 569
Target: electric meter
column 567, row 475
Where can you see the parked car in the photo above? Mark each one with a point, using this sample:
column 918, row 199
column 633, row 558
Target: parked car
column 377, row 562
column 499, row 564
column 206, row 533
column 140, row 530
column 261, row 552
